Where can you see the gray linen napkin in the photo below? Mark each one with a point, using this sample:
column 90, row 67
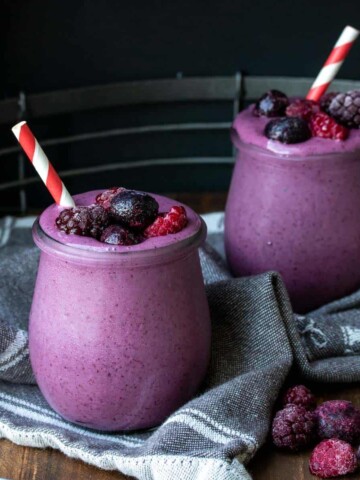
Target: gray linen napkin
column 256, row 340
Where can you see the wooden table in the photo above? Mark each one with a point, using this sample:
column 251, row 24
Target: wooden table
column 22, row 463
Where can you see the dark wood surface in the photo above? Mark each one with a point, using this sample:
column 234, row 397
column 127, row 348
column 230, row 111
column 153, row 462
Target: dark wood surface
column 22, row 463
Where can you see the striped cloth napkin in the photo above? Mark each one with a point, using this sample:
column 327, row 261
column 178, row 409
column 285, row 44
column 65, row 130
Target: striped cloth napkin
column 256, row 340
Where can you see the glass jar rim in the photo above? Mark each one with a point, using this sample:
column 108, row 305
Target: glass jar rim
column 294, row 157
column 162, row 254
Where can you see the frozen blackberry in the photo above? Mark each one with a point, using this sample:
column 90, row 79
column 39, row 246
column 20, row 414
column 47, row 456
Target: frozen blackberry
column 345, row 108
column 288, row 130
column 300, row 395
column 332, row 458
column 118, row 235
column 293, row 428
column 325, row 101
column 105, row 197
column 302, row 108
column 172, row 222
column 338, row 419
column 134, row 209
column 86, row 221
column 272, row 104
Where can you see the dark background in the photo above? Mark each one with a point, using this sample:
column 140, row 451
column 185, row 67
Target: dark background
column 49, row 45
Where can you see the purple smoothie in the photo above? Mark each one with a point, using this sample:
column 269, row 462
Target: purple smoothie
column 119, row 336
column 294, row 209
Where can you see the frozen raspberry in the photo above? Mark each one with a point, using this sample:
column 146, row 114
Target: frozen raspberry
column 105, row 197
column 87, row 221
column 332, row 458
column 338, row 419
column 117, row 235
column 293, row 428
column 324, row 126
column 172, row 222
column 134, row 209
column 300, row 395
column 325, row 101
column 272, row 104
column 288, row 130
column 345, row 108
column 302, row 108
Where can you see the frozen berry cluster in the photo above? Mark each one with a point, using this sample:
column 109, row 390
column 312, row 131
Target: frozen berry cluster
column 298, row 120
column 336, row 424
column 122, row 217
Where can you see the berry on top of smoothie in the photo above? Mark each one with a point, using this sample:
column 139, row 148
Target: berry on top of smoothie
column 300, row 119
column 87, row 221
column 134, row 209
column 345, row 108
column 272, row 104
column 172, row 222
column 288, row 130
column 122, row 217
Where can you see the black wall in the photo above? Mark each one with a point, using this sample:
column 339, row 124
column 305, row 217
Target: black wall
column 54, row 44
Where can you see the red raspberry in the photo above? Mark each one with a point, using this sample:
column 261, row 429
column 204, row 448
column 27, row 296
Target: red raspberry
column 293, row 428
column 332, row 458
column 323, row 126
column 172, row 222
column 300, row 395
column 105, row 197
column 302, row 108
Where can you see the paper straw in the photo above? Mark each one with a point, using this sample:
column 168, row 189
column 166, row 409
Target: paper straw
column 333, row 63
column 42, row 165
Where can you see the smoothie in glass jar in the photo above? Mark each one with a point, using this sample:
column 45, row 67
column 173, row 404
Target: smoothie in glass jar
column 119, row 330
column 293, row 204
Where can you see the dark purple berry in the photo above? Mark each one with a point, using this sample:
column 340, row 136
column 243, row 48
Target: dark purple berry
column 300, row 395
column 272, row 104
column 105, row 197
column 134, row 209
column 293, row 428
column 325, row 101
column 117, row 235
column 288, row 130
column 338, row 419
column 87, row 221
column 345, row 108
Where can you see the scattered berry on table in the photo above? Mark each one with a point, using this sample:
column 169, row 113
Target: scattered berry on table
column 345, row 108
column 272, row 104
column 325, row 101
column 293, row 428
column 288, row 130
column 338, row 419
column 302, row 108
column 105, row 197
column 300, row 395
column 87, row 221
column 324, row 126
column 118, row 235
column 172, row 222
column 134, row 209
column 331, row 458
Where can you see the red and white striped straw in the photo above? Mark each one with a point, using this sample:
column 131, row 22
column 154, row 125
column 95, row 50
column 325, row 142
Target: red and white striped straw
column 42, row 165
column 333, row 63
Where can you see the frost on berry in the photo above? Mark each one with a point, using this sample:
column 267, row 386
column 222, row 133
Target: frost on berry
column 293, row 428
column 300, row 395
column 332, row 458
column 338, row 419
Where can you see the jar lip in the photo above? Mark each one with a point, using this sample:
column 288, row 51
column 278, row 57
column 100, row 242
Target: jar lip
column 294, row 157
column 136, row 257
